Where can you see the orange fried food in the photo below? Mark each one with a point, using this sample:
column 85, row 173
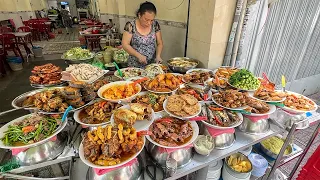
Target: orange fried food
column 164, row 83
column 120, row 91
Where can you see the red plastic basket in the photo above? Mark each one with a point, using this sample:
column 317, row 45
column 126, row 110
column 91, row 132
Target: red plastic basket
column 311, row 169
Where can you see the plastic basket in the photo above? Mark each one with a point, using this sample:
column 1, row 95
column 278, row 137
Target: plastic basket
column 37, row 51
column 15, row 66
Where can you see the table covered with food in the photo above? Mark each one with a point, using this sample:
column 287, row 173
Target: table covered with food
column 167, row 120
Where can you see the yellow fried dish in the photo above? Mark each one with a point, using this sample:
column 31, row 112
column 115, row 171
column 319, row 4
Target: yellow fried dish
column 182, row 63
column 274, row 144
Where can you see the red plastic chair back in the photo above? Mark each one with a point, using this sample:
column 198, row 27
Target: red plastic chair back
column 24, row 29
column 5, row 29
column 311, row 169
column 2, row 45
column 10, row 41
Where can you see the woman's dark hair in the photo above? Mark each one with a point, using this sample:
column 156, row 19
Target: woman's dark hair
column 146, row 6
column 63, row 6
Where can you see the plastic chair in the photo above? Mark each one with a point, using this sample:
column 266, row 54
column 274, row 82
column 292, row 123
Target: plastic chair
column 11, row 44
column 5, row 29
column 2, row 56
column 311, row 169
column 28, row 38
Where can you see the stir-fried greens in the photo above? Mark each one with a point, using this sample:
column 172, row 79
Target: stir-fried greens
column 77, row 53
column 32, row 129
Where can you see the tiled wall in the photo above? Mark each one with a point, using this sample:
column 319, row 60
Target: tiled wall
column 173, row 34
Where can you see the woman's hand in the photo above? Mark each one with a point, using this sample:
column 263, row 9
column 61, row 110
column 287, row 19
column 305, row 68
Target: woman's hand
column 142, row 59
column 158, row 60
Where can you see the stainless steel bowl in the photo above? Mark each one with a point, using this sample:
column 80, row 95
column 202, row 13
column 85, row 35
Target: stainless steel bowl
column 183, row 70
column 273, row 155
column 44, row 152
column 222, row 141
column 260, row 127
column 132, row 172
column 182, row 156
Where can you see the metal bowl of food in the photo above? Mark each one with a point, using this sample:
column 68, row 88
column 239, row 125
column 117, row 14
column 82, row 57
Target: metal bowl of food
column 237, row 166
column 131, row 172
column 260, row 127
column 44, row 152
column 182, row 64
column 182, row 156
column 222, row 141
column 273, row 155
column 87, row 60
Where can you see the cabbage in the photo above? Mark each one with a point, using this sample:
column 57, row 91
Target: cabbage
column 77, row 53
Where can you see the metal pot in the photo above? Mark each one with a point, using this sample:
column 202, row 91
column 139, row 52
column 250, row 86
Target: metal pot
column 182, row 156
column 222, row 141
column 132, row 172
column 260, row 127
column 273, row 155
column 44, row 152
column 182, row 70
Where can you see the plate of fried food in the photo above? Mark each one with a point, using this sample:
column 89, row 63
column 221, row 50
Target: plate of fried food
column 155, row 101
column 268, row 96
column 170, row 132
column 219, row 117
column 47, row 75
column 216, row 83
column 139, row 116
column 163, row 83
column 119, row 91
column 225, row 71
column 231, row 99
column 195, row 90
column 298, row 104
column 197, row 76
column 55, row 100
column 182, row 106
column 96, row 114
column 111, row 146
column 259, row 108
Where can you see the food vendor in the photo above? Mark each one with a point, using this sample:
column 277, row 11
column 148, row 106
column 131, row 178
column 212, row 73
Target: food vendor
column 142, row 37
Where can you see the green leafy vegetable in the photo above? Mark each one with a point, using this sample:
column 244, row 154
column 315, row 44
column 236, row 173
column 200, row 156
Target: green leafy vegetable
column 120, row 56
column 244, row 79
column 77, row 53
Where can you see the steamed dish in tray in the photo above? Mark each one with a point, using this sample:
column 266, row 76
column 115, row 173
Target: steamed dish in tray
column 155, row 101
column 82, row 72
column 111, row 145
column 197, row 77
column 163, row 83
column 274, row 144
column 131, row 72
column 299, row 102
column 153, row 70
column 32, row 129
column 182, row 63
column 230, row 98
column 182, row 105
column 171, row 132
column 99, row 112
column 220, row 117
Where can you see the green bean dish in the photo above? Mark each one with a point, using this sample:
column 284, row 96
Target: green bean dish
column 32, row 129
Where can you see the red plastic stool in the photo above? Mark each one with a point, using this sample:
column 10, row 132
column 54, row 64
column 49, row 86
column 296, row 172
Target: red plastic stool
column 311, row 169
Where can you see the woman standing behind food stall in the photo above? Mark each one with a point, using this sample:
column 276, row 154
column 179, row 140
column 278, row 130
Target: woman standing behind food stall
column 142, row 37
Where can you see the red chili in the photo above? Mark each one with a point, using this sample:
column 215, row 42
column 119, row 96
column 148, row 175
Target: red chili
column 167, row 120
column 218, row 120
